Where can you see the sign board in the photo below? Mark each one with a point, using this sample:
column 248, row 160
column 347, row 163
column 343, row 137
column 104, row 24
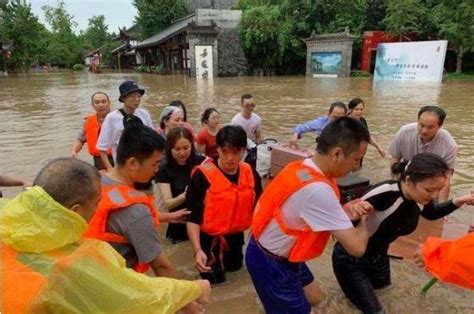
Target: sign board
column 204, row 64
column 326, row 64
column 421, row 61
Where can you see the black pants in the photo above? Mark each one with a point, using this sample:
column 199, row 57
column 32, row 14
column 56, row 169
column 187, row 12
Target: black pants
column 232, row 258
column 100, row 165
column 359, row 276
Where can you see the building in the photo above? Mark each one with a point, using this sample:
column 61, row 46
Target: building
column 203, row 43
column 125, row 54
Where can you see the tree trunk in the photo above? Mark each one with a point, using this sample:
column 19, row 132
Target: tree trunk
column 459, row 59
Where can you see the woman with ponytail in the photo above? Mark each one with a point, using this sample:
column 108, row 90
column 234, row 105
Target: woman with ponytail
column 396, row 213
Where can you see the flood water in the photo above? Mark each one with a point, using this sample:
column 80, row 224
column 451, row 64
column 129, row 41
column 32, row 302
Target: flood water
column 41, row 115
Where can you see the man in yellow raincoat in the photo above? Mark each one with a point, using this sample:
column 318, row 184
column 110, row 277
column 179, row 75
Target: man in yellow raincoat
column 47, row 266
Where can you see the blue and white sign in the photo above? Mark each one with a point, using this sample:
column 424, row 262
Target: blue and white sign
column 421, row 61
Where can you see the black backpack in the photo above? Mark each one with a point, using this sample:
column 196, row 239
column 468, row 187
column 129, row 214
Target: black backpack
column 130, row 119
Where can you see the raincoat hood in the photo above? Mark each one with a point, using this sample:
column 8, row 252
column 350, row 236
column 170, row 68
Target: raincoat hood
column 34, row 222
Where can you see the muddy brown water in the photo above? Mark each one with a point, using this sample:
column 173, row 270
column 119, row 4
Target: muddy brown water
column 41, row 115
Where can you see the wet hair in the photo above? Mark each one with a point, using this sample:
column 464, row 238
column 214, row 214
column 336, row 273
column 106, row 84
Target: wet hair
column 68, row 181
column 166, row 114
column 436, row 110
column 180, row 104
column 245, row 96
column 354, row 102
column 99, row 92
column 140, row 142
column 421, row 167
column 206, row 114
column 337, row 104
column 346, row 133
column 231, row 136
column 173, row 136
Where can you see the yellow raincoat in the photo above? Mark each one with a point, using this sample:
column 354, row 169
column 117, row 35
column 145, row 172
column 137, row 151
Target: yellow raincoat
column 47, row 267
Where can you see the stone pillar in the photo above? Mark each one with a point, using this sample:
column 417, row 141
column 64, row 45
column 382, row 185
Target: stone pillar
column 329, row 54
column 202, row 35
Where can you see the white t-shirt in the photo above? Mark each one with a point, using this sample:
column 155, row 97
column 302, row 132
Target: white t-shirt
column 250, row 125
column 112, row 128
column 315, row 205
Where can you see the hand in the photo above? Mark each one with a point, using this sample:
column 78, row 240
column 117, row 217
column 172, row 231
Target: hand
column 467, row 199
column 179, row 216
column 418, row 257
column 383, row 153
column 294, row 141
column 74, row 154
column 26, row 184
column 200, row 259
column 355, row 209
column 205, row 297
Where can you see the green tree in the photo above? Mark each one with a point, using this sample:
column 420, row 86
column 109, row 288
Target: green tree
column 64, row 47
column 403, row 17
column 96, row 34
column 455, row 21
column 29, row 47
column 156, row 15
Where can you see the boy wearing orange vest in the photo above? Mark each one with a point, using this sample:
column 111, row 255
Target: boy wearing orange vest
column 296, row 215
column 221, row 197
column 126, row 217
column 91, row 130
column 47, row 267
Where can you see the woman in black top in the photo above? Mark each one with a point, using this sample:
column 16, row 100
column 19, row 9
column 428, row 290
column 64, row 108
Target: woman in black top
column 396, row 213
column 356, row 107
column 174, row 175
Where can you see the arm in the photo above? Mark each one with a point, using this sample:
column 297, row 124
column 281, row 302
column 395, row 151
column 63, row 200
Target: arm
column 434, row 211
column 13, row 181
column 258, row 136
column 170, row 201
column 354, row 240
column 76, row 148
column 200, row 257
column 105, row 160
column 195, row 200
column 308, row 126
column 162, row 266
column 374, row 143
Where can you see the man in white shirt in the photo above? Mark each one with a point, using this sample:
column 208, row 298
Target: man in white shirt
column 297, row 213
column 113, row 125
column 426, row 136
column 247, row 119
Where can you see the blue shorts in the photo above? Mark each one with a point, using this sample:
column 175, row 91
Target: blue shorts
column 278, row 282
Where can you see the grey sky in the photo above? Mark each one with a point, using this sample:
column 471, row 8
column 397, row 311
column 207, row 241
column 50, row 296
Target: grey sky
column 117, row 12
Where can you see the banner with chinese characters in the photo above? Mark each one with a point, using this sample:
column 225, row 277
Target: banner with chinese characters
column 203, row 61
column 421, row 61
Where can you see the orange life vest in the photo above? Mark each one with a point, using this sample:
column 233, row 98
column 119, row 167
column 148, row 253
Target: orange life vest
column 116, row 197
column 294, row 176
column 91, row 131
column 228, row 208
column 18, row 291
column 451, row 260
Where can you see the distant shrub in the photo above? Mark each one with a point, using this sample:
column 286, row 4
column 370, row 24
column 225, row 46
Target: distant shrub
column 357, row 73
column 78, row 67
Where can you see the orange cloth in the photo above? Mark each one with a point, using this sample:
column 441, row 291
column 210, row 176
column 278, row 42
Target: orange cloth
column 294, row 176
column 91, row 131
column 228, row 207
column 116, row 197
column 451, row 261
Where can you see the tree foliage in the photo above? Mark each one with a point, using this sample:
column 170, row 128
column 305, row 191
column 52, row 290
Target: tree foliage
column 29, row 46
column 64, row 48
column 156, row 15
column 403, row 17
column 96, row 34
column 455, row 22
